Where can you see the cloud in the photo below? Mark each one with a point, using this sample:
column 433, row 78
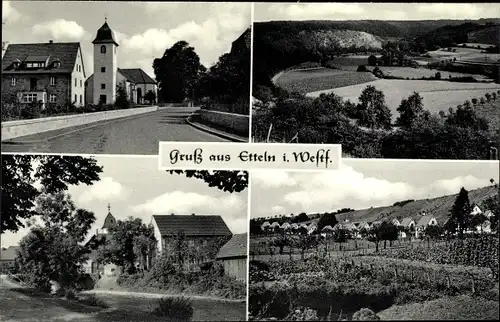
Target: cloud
column 181, row 202
column 454, row 11
column 105, row 189
column 61, row 29
column 9, row 13
column 272, row 178
column 278, row 210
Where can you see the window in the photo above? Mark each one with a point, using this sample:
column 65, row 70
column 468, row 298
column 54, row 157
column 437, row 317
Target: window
column 81, row 98
column 102, row 99
column 42, row 65
column 29, row 97
column 103, row 49
column 103, row 69
column 191, row 243
column 52, row 98
column 81, row 84
column 33, row 83
column 103, row 86
column 36, row 65
column 29, row 65
column 76, row 98
column 13, row 81
column 75, row 82
column 52, row 80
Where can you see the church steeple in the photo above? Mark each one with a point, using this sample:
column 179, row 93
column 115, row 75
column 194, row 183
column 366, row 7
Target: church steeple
column 109, row 221
column 105, row 34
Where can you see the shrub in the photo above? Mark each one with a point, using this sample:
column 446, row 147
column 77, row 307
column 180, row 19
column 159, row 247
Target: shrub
column 378, row 72
column 437, row 75
column 365, row 315
column 31, row 110
column 362, row 68
column 93, row 300
column 70, row 294
column 175, row 308
column 303, row 314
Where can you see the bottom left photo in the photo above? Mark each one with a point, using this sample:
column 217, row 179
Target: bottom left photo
column 112, row 238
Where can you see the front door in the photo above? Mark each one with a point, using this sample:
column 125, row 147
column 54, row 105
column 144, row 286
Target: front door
column 33, row 83
column 102, row 99
column 139, row 95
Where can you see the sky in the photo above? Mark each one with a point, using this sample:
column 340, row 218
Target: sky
column 133, row 186
column 374, row 11
column 144, row 30
column 361, row 184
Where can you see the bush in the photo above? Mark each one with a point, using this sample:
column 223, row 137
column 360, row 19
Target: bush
column 365, row 315
column 93, row 300
column 70, row 294
column 174, row 308
column 437, row 75
column 362, row 68
column 303, row 314
column 31, row 110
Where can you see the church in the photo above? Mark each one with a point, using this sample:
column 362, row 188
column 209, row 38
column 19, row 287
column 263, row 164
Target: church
column 101, row 87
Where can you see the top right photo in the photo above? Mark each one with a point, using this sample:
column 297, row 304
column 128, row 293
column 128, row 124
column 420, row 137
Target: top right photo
column 385, row 80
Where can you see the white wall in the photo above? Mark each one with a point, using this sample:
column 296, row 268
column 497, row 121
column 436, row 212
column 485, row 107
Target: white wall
column 107, row 60
column 157, row 235
column 78, row 74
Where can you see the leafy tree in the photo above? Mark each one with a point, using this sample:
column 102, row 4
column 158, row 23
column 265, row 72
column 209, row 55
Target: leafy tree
column 122, row 100
column 410, row 109
column 488, row 96
column 459, row 217
column 300, row 218
column 52, row 250
column 150, row 97
column 362, row 68
column 477, row 221
column 433, row 231
column 474, row 101
column 493, row 204
column 374, row 235
column 465, row 116
column 55, row 174
column 305, row 242
column 494, row 96
column 482, row 100
column 144, row 246
column 374, row 113
column 281, row 241
column 437, row 76
column 372, row 60
column 387, row 232
column 341, row 235
column 123, row 245
column 230, row 181
column 327, row 219
column 177, row 72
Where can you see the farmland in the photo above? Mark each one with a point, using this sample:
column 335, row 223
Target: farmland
column 408, row 72
column 305, row 81
column 437, row 95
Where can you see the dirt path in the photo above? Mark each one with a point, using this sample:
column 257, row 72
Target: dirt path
column 159, row 295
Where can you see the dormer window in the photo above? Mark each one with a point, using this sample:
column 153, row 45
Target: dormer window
column 103, row 49
column 16, row 63
column 57, row 63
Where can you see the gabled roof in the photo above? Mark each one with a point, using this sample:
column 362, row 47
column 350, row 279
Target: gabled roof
column 137, row 75
column 327, row 227
column 235, row 247
column 65, row 52
column 406, row 221
column 350, row 226
column 105, row 35
column 275, row 224
column 286, row 226
column 294, row 226
column 192, row 225
column 424, row 221
column 10, row 253
column 109, row 221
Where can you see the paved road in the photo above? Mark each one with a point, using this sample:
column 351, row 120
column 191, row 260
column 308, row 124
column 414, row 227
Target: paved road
column 133, row 135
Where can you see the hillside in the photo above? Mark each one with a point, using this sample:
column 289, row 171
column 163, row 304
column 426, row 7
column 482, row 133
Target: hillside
column 489, row 35
column 438, row 207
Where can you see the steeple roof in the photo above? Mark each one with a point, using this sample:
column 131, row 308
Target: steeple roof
column 105, row 35
column 109, row 221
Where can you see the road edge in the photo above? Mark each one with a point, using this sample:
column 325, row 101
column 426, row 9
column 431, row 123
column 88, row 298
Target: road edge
column 206, row 128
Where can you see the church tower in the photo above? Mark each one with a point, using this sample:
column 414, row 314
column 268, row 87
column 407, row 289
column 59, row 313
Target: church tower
column 109, row 221
column 104, row 66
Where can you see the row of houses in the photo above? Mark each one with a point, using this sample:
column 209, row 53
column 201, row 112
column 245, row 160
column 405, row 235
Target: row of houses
column 198, row 229
column 408, row 226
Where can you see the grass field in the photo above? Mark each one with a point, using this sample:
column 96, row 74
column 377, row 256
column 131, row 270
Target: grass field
column 409, row 72
column 319, row 79
column 437, row 95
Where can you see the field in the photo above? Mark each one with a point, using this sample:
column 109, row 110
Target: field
column 409, row 72
column 437, row 95
column 305, row 81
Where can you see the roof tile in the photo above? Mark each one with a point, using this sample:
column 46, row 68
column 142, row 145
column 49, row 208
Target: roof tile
column 235, row 247
column 192, row 225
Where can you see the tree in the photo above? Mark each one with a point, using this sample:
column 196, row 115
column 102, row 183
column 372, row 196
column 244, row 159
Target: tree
column 494, row 96
column 437, row 76
column 327, row 219
column 374, row 235
column 150, row 97
column 482, row 100
column 433, row 231
column 305, row 242
column 493, row 204
column 53, row 251
column 410, row 109
column 55, row 174
column 474, row 101
column 341, row 235
column 373, row 111
column 177, row 72
column 122, row 100
column 229, row 181
column 488, row 96
column 144, row 246
column 123, row 245
column 301, row 217
column 362, row 68
column 372, row 60
column 281, row 241
column 387, row 232
column 460, row 212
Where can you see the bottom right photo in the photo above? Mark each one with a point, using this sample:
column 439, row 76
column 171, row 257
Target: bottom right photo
column 376, row 240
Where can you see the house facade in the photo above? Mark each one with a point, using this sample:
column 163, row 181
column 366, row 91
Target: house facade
column 46, row 73
column 8, row 261
column 199, row 232
column 423, row 223
column 92, row 266
column 233, row 256
column 101, row 87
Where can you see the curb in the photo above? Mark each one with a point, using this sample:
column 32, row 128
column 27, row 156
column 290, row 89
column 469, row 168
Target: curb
column 207, row 129
column 20, row 142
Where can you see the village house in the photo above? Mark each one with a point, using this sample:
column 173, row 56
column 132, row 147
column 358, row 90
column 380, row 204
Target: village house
column 93, row 266
column 8, row 261
column 47, row 73
column 101, row 87
column 407, row 225
column 199, row 231
column 274, row 226
column 311, row 229
column 265, row 225
column 423, row 223
column 233, row 256
column 363, row 226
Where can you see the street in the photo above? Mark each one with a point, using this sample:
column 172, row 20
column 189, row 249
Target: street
column 131, row 135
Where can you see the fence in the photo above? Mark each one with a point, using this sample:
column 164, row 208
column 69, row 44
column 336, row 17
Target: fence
column 242, row 108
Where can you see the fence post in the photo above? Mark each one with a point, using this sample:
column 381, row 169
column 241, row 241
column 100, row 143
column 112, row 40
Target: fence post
column 395, row 273
column 473, row 285
column 411, row 274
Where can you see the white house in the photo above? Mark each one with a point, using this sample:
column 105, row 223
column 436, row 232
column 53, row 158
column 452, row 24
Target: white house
column 408, row 224
column 101, row 86
column 423, row 223
column 476, row 210
column 265, row 225
column 275, row 225
column 311, row 228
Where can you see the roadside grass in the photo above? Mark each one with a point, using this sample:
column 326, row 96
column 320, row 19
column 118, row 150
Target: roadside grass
column 462, row 307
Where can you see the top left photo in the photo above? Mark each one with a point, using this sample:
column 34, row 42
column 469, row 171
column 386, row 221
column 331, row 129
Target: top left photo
column 97, row 77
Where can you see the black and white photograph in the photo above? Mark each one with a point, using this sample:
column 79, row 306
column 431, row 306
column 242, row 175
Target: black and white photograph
column 112, row 238
column 385, row 80
column 110, row 77
column 375, row 240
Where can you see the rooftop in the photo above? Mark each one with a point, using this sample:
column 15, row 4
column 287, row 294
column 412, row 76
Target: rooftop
column 235, row 247
column 192, row 225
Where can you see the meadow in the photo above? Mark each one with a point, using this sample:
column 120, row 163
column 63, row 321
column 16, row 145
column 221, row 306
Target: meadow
column 409, row 72
column 437, row 95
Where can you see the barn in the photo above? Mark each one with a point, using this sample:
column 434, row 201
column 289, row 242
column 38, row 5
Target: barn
column 233, row 256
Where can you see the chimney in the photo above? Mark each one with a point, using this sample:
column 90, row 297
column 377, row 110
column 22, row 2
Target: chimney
column 192, row 214
column 51, row 41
